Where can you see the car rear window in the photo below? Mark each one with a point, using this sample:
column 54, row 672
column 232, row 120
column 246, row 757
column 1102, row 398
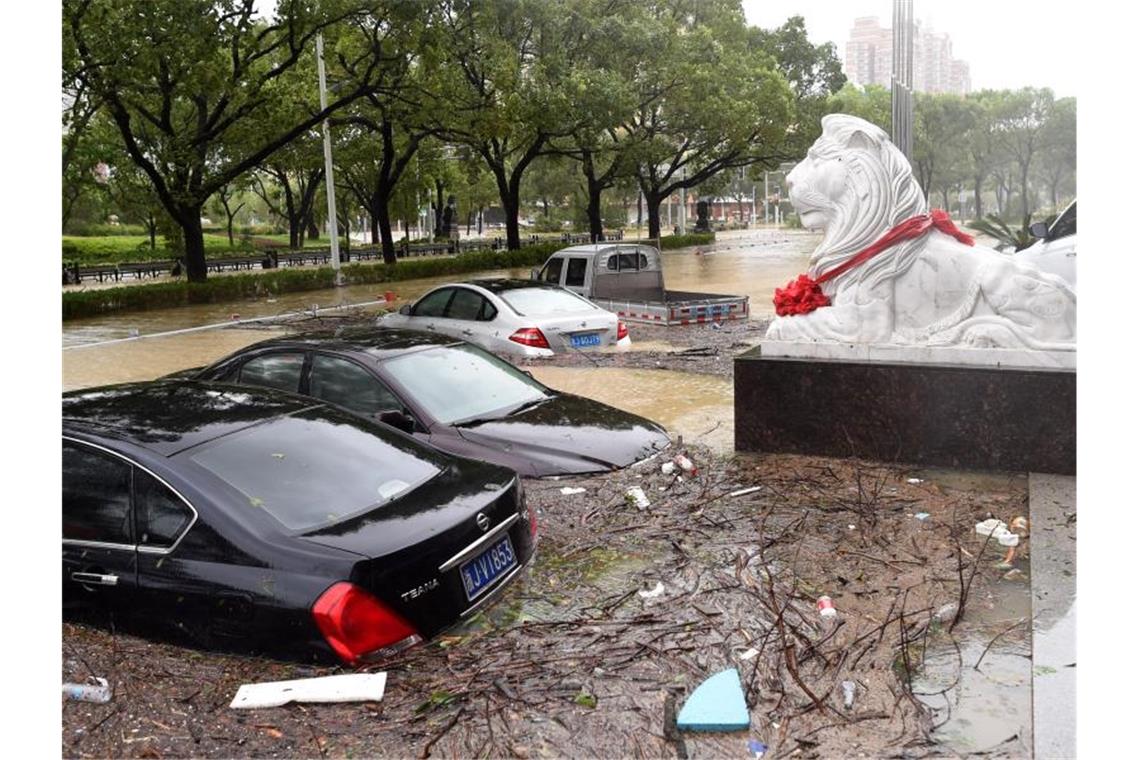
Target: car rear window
column 311, row 470
column 538, row 302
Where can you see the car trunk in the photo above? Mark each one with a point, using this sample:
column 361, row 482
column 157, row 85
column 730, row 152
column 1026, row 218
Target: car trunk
column 409, row 542
column 575, row 331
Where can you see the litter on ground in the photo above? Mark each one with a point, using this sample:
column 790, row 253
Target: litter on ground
column 716, row 705
column 354, row 687
column 568, row 491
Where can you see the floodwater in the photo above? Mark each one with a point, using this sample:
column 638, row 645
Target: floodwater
column 748, row 262
column 988, row 707
column 697, row 407
column 115, row 326
column 742, row 262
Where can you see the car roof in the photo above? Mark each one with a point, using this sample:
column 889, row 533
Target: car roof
column 376, row 342
column 169, row 416
column 499, row 284
column 606, row 248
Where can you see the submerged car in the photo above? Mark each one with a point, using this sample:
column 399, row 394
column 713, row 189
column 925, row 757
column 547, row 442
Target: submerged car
column 450, row 394
column 513, row 317
column 262, row 521
column 1056, row 248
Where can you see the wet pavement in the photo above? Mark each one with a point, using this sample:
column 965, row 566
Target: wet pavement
column 573, row 661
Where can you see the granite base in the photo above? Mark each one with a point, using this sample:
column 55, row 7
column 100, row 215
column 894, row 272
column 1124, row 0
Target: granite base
column 922, row 412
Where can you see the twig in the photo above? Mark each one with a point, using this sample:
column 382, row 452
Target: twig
column 426, row 752
column 995, row 638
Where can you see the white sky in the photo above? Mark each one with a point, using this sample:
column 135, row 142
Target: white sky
column 1008, row 43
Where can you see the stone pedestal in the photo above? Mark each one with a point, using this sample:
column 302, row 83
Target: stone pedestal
column 986, row 409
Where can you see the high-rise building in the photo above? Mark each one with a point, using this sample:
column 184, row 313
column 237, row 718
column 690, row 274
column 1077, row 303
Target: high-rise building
column 868, row 58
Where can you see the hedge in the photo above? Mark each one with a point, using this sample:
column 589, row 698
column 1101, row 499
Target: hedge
column 89, row 303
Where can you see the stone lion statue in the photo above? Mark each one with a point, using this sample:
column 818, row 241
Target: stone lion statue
column 930, row 290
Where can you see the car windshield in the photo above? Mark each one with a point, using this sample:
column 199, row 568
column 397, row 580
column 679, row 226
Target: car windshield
column 541, row 302
column 460, row 383
column 312, row 470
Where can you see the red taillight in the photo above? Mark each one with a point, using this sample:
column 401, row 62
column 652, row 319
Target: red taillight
column 530, row 336
column 622, row 330
column 355, row 623
column 533, row 520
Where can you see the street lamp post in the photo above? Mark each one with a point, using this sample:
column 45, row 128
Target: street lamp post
column 330, row 191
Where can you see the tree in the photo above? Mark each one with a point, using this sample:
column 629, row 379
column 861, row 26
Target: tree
column 814, row 73
column 1057, row 160
column 507, row 94
column 941, row 127
column 872, row 103
column 229, row 201
column 288, row 183
column 1021, row 119
column 719, row 102
column 182, row 78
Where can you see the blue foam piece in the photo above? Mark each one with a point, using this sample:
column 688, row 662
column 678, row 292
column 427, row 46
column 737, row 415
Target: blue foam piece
column 716, row 705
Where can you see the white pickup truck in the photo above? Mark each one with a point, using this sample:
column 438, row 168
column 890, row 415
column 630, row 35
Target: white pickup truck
column 626, row 278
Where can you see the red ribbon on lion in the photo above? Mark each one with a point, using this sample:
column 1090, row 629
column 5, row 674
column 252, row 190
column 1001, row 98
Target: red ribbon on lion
column 803, row 294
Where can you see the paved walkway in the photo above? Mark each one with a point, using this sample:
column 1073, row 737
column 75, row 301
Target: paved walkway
column 1053, row 570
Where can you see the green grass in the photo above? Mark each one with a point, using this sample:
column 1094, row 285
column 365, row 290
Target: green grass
column 119, row 248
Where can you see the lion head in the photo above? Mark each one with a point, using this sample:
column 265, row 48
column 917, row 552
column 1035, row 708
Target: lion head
column 854, row 184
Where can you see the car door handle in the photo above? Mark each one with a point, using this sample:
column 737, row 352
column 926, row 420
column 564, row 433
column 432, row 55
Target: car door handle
column 468, row 332
column 97, row 579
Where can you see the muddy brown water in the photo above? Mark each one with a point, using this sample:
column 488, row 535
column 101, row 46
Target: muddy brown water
column 752, row 262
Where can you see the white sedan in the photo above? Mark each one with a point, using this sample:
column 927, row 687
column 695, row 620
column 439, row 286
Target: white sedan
column 516, row 317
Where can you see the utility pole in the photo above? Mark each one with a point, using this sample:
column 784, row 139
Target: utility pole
column 330, row 191
column 902, row 75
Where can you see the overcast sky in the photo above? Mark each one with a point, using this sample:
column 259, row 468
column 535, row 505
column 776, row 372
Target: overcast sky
column 1007, row 44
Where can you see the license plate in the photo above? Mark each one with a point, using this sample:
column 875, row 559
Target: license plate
column 481, row 573
column 587, row 339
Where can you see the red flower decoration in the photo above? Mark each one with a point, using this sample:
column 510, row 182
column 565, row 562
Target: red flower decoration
column 802, row 295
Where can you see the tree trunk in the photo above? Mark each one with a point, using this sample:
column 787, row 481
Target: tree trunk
column 1025, row 190
column 190, row 220
column 311, row 228
column 152, row 228
column 387, row 245
column 376, row 228
column 480, row 222
column 978, row 198
column 439, row 230
column 594, row 209
column 653, row 209
column 639, row 218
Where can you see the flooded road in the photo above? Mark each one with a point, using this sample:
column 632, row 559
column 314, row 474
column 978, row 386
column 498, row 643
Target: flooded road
column 114, row 326
column 697, row 407
column 748, row 262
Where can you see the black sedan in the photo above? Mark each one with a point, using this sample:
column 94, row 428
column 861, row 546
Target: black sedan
column 257, row 520
column 451, row 394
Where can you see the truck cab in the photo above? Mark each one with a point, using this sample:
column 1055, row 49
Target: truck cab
column 626, row 270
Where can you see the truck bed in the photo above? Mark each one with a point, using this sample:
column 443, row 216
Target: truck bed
column 678, row 308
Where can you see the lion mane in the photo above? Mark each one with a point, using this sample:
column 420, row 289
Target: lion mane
column 861, row 217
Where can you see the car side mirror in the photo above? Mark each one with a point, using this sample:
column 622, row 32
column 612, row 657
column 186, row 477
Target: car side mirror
column 1039, row 230
column 397, row 419
column 406, row 310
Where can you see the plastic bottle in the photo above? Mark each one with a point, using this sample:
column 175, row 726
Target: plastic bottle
column 826, row 607
column 100, row 693
column 848, row 694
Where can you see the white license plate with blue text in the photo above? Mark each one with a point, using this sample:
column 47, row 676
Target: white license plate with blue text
column 481, row 573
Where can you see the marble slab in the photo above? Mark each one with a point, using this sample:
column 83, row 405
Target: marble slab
column 950, row 356
column 987, row 417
